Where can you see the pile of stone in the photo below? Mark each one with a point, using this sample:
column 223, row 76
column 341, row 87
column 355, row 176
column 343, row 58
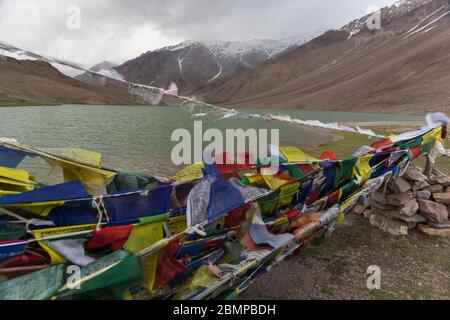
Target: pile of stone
column 413, row 201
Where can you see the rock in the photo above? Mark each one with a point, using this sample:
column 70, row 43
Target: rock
column 411, row 225
column 367, row 213
column 426, row 195
column 414, row 174
column 430, row 231
column 380, row 197
column 399, row 199
column 399, row 185
column 436, row 212
column 443, row 198
column 437, row 188
column 378, row 205
column 420, row 185
column 414, row 167
column 395, row 215
column 393, row 227
column 447, row 190
column 410, row 208
column 437, row 172
column 359, row 209
column 444, row 225
column 442, row 180
column 417, row 218
column 390, row 214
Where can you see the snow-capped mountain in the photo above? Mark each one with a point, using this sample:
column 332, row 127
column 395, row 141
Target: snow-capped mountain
column 388, row 14
column 193, row 64
column 238, row 48
column 403, row 66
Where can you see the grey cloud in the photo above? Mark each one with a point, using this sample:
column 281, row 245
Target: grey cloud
column 117, row 30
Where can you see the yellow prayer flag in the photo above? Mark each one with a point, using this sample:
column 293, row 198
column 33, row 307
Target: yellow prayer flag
column 363, row 169
column 433, row 134
column 87, row 175
column 15, row 174
column 55, row 257
column 77, row 164
column 274, row 183
column 255, row 180
column 287, row 194
column 82, row 156
column 26, row 186
column 202, row 278
column 39, row 208
column 294, row 154
column 15, row 181
column 190, row 173
column 7, row 192
column 341, row 218
column 143, row 236
column 177, row 224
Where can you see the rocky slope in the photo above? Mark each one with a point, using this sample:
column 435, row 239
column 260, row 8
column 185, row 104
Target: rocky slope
column 402, row 67
column 29, row 82
column 194, row 64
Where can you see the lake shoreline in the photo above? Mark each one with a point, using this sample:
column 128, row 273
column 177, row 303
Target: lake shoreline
column 28, row 104
column 139, row 138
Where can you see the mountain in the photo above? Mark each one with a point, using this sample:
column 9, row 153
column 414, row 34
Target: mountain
column 96, row 80
column 402, row 67
column 33, row 82
column 193, row 64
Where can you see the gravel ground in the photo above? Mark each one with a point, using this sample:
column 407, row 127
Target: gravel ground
column 412, row 267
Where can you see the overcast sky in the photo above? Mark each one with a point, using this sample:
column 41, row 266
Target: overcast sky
column 117, row 30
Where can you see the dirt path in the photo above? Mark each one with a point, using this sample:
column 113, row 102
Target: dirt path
column 412, row 267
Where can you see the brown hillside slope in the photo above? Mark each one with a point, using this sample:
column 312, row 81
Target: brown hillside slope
column 27, row 82
column 381, row 71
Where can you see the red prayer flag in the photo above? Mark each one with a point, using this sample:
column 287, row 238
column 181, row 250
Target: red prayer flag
column 113, row 236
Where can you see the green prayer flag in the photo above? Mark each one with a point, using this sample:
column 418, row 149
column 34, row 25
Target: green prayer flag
column 40, row 285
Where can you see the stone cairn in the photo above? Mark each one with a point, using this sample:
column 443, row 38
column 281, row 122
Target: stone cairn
column 413, row 201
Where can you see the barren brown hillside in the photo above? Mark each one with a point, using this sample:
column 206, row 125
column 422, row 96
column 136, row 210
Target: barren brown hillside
column 27, row 82
column 404, row 67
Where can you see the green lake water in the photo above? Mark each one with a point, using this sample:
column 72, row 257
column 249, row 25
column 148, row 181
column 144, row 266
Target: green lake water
column 139, row 137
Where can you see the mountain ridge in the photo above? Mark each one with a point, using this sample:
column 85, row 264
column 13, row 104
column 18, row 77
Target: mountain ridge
column 34, row 82
column 193, row 64
column 403, row 67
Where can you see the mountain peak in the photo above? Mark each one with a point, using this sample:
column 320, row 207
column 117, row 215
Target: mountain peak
column 403, row 67
column 241, row 47
column 389, row 13
column 195, row 63
column 104, row 65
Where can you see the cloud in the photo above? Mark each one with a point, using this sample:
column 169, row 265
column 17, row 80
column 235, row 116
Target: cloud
column 117, row 30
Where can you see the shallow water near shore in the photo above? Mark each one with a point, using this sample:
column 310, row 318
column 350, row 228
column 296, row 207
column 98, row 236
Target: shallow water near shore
column 139, row 137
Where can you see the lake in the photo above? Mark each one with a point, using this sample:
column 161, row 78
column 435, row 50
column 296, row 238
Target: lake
column 139, row 137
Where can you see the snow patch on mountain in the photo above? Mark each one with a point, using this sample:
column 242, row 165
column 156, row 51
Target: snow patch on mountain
column 428, row 25
column 424, row 19
column 398, row 9
column 218, row 74
column 239, row 48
